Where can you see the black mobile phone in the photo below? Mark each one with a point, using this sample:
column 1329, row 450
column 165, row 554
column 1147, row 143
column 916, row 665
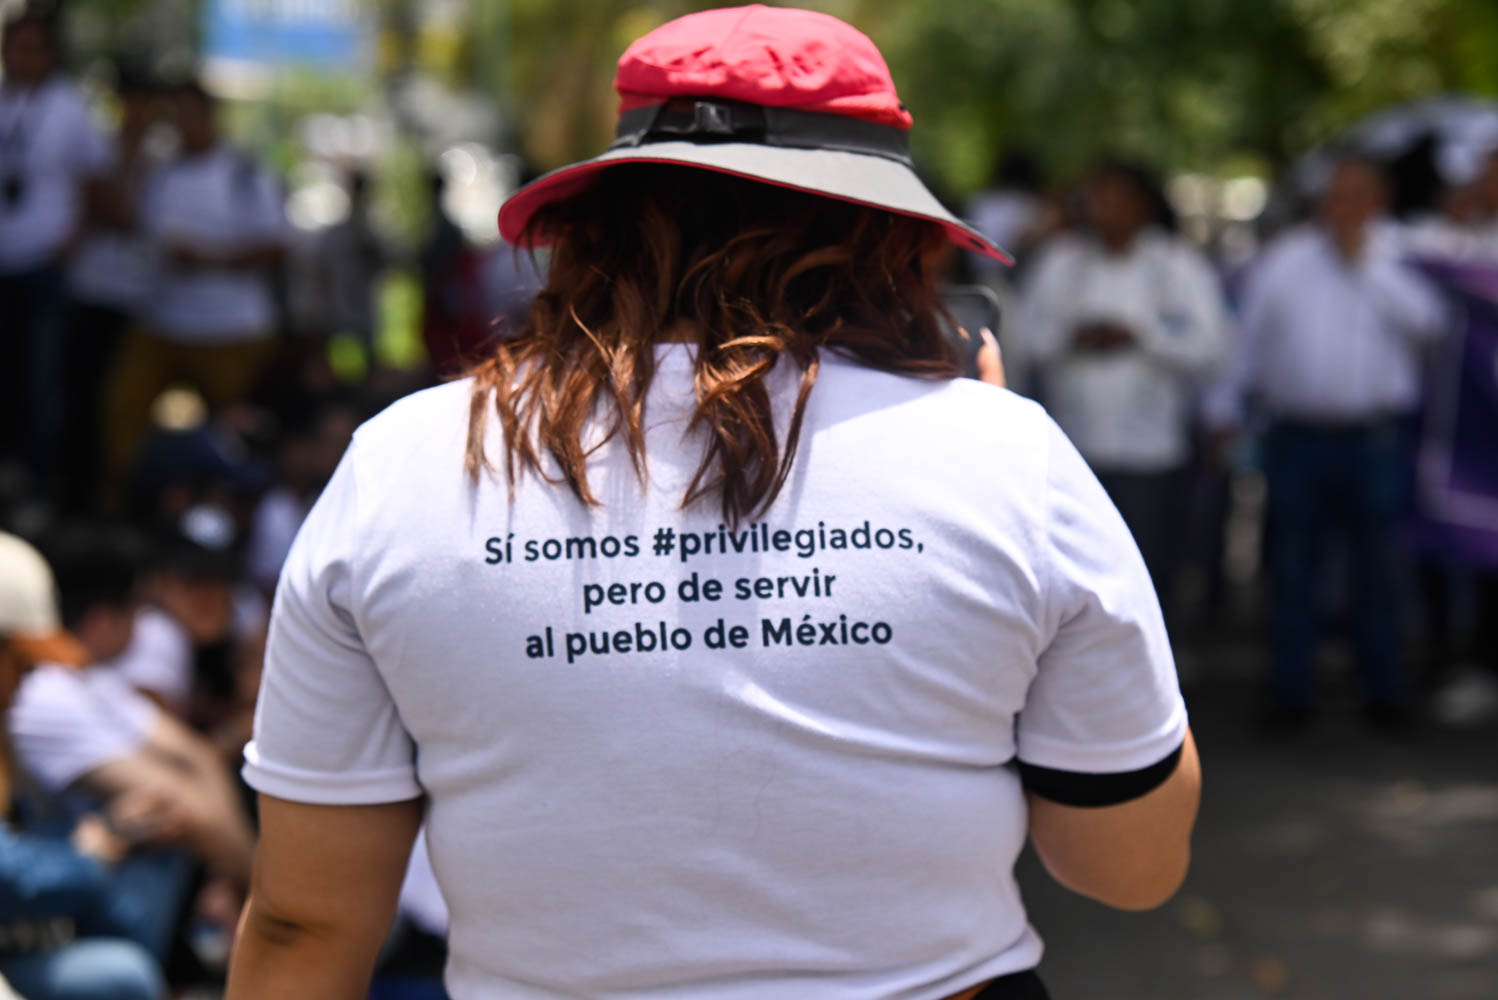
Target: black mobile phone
column 974, row 308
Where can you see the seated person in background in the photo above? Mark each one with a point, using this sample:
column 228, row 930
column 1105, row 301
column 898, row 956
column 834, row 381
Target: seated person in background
column 86, row 730
column 157, row 661
column 189, row 604
column 199, row 633
column 314, row 435
column 66, row 930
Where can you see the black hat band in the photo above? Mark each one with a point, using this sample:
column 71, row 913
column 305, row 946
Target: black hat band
column 706, row 120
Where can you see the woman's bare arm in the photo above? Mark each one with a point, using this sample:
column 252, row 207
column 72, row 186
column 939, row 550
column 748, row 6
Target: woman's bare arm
column 322, row 899
column 1132, row 856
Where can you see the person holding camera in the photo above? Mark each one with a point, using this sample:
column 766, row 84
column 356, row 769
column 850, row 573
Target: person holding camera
column 1125, row 320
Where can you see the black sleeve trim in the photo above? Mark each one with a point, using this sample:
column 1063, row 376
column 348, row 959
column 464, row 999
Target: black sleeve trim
column 1073, row 788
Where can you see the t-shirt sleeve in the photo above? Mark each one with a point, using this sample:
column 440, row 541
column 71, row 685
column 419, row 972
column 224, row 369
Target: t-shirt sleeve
column 1105, row 700
column 326, row 729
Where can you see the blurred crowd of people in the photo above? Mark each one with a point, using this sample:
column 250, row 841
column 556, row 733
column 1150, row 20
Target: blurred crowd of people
column 168, row 415
column 1305, row 367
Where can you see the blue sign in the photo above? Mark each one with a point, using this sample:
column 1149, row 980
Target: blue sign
column 329, row 33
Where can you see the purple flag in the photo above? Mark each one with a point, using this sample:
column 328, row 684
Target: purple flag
column 1457, row 460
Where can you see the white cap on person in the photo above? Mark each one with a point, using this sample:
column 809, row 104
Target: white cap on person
column 29, row 619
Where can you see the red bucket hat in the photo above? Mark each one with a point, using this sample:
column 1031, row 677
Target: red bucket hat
column 789, row 97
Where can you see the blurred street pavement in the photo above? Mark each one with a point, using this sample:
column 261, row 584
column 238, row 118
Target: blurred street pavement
column 1337, row 865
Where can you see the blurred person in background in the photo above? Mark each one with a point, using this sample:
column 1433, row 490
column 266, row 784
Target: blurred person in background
column 1013, row 211
column 1124, row 321
column 313, row 440
column 1485, row 189
column 60, row 933
column 216, row 221
column 84, row 732
column 49, row 148
column 454, row 327
column 197, row 578
column 1460, row 222
column 189, row 458
column 1461, row 677
column 353, row 259
column 111, row 280
column 78, row 730
column 1334, row 325
column 187, row 599
column 511, row 280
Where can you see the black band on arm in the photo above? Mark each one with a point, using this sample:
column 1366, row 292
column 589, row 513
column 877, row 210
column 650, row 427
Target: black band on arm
column 1073, row 788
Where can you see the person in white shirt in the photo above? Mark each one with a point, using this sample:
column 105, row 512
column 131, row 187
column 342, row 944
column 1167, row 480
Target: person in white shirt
column 1485, row 185
column 314, row 438
column 1334, row 324
column 72, row 930
column 1124, row 321
column 84, row 729
column 1013, row 212
column 216, row 221
column 205, row 608
column 713, row 627
column 352, row 258
column 111, row 278
column 1016, row 213
column 1465, row 232
column 510, row 282
column 49, row 148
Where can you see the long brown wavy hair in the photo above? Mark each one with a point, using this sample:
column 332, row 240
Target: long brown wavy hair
column 747, row 273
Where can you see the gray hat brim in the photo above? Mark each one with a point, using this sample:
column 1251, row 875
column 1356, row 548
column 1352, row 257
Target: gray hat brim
column 864, row 179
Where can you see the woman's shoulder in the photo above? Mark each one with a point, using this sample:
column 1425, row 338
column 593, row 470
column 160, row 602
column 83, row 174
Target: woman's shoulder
column 423, row 423
column 961, row 412
column 853, row 375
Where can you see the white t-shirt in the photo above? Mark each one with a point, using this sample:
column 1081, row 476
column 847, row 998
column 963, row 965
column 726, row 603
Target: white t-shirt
column 159, row 658
column 218, row 200
column 48, row 147
column 353, row 259
column 1128, row 409
column 114, row 269
column 664, row 759
column 1328, row 341
column 117, row 267
column 1444, row 238
column 67, row 722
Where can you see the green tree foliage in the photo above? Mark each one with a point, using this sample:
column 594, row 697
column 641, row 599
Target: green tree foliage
column 1193, row 84
column 1200, row 84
